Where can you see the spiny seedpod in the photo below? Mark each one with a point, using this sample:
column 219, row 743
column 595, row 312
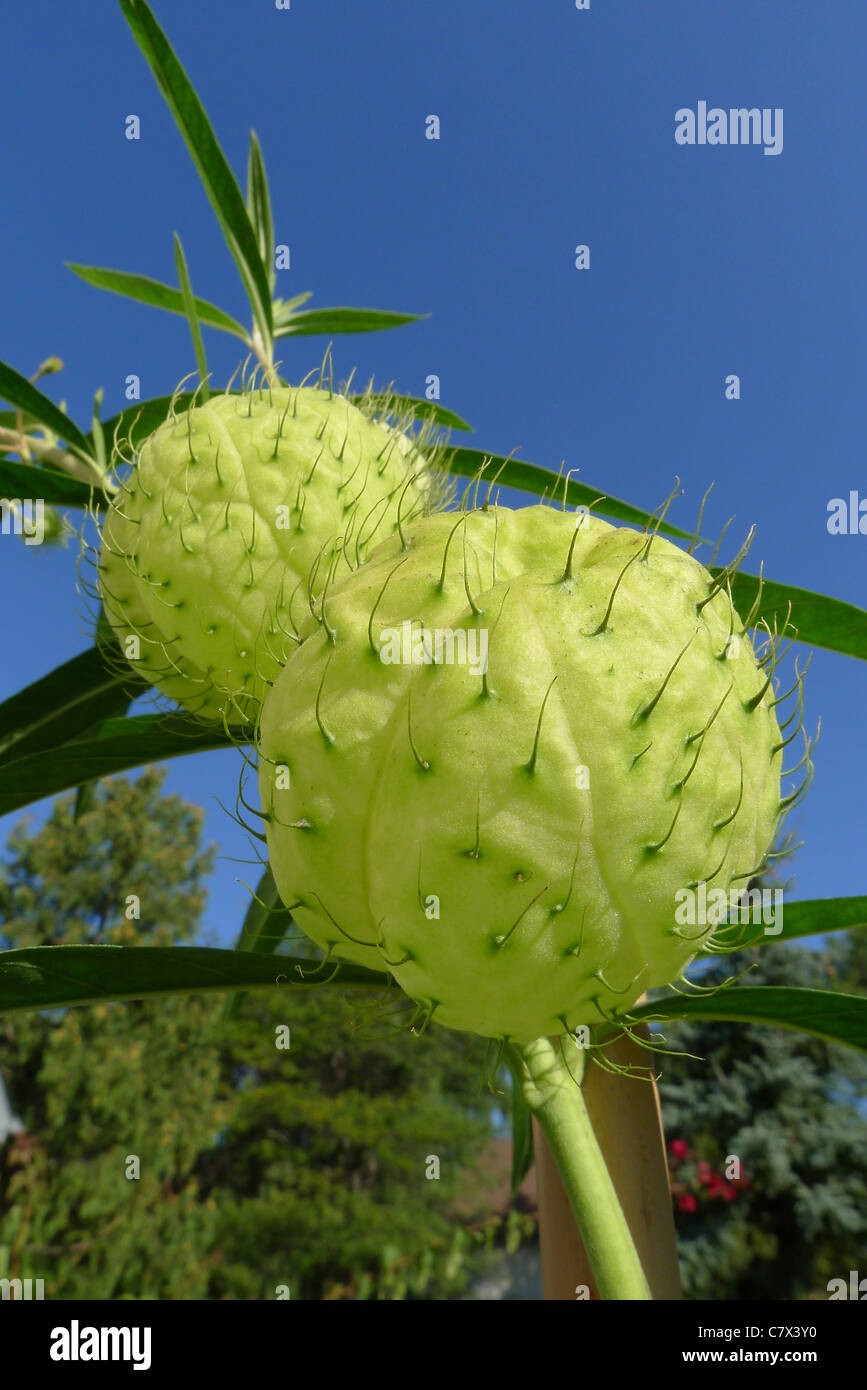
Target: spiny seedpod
column 504, row 751
column 235, row 512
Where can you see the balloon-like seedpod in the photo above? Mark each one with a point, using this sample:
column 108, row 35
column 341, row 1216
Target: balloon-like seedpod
column 232, row 516
column 506, row 748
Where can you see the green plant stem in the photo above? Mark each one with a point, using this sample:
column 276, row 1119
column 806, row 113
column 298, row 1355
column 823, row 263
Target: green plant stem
column 554, row 1096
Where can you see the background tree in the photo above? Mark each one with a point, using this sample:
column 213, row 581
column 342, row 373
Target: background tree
column 95, row 1087
column 344, row 1154
column 787, row 1105
column 260, row 1166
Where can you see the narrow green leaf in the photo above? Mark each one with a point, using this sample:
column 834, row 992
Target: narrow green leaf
column 85, row 796
column 820, row 621
column 266, row 921
column 284, row 308
column 213, row 167
column 155, row 293
column 422, row 409
column 259, row 207
column 522, row 1136
column 73, row 719
column 343, row 320
column 97, row 434
column 263, row 930
column 62, row 704
column 119, row 744
column 810, row 918
column 54, row 487
column 837, row 1018
column 53, row 977
column 116, row 705
column 17, row 390
column 9, row 420
column 529, row 477
column 192, row 317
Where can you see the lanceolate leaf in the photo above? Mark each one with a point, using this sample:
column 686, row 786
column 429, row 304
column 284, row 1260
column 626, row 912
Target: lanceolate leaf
column 85, row 797
column 117, row 746
column 214, row 170
column 259, row 206
column 154, row 292
column 837, row 1018
column 192, row 316
column 264, row 927
column 811, row 918
column 51, row 977
column 820, row 621
column 62, row 704
column 529, row 477
column 266, row 922
column 52, row 486
column 9, row 420
column 342, row 320
column 72, row 719
column 285, row 308
column 18, row 391
column 522, row 1135
column 423, row 410
column 115, row 705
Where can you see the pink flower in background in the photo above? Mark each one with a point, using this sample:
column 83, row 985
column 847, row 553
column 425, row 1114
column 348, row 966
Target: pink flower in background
column 706, row 1182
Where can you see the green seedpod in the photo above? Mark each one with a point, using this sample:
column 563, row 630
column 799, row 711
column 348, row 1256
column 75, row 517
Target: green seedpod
column 233, row 516
column 506, row 752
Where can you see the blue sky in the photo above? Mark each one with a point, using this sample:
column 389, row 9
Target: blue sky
column 557, row 128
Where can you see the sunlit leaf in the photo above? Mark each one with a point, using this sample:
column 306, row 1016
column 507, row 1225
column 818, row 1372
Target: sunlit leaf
column 810, row 918
column 214, row 170
column 52, row 977
column 529, row 477
column 421, row 409
column 117, row 746
column 837, row 1018
column 192, row 317
column 155, row 293
column 342, row 320
column 56, row 488
column 259, row 207
column 820, row 621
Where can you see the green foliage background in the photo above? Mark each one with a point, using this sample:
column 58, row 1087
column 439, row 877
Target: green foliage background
column 791, row 1108
column 260, row 1167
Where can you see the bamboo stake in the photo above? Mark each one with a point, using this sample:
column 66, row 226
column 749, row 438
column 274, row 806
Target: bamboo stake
column 626, row 1119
